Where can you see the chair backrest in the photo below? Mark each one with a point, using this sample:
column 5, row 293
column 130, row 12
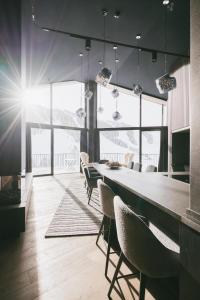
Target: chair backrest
column 151, row 168
column 137, row 167
column 84, row 158
column 130, row 164
column 140, row 246
column 128, row 157
column 106, row 197
column 87, row 174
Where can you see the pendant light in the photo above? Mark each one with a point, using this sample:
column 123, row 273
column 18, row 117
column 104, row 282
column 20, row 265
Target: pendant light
column 100, row 109
column 165, row 83
column 81, row 111
column 115, row 93
column 104, row 76
column 137, row 88
column 88, row 92
column 33, row 17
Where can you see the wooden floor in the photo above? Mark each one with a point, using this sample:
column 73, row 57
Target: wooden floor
column 32, row 267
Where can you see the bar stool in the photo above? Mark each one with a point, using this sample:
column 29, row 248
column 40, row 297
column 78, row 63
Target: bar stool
column 106, row 196
column 141, row 248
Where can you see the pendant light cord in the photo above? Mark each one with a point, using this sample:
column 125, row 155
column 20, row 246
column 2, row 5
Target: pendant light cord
column 104, row 44
column 81, row 57
column 165, row 38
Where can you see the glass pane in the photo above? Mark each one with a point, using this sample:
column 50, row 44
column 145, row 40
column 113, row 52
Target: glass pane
column 128, row 106
column 37, row 102
column 66, row 100
column 66, row 151
column 114, row 144
column 151, row 113
column 150, row 148
column 41, row 151
column 164, row 115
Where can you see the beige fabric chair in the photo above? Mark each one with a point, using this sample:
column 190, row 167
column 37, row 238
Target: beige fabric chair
column 106, row 196
column 141, row 248
column 84, row 158
column 128, row 157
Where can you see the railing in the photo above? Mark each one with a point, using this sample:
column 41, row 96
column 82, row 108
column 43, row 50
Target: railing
column 61, row 160
column 147, row 159
column 71, row 161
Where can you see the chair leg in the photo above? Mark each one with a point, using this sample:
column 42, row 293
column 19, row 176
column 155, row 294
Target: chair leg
column 142, row 286
column 100, row 230
column 115, row 274
column 108, row 248
column 90, row 194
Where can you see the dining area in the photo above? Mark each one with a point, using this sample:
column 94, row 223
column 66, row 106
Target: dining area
column 143, row 214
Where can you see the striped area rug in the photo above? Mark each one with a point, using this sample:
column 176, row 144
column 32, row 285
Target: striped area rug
column 74, row 216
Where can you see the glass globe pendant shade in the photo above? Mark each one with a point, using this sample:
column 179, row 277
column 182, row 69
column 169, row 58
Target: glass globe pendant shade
column 165, row 83
column 104, row 77
column 137, row 89
column 100, row 109
column 81, row 113
column 115, row 93
column 116, row 116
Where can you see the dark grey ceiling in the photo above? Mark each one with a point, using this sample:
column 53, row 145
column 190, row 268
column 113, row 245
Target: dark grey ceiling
column 54, row 57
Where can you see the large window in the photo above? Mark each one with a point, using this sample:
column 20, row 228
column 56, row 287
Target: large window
column 128, row 106
column 150, row 148
column 114, row 144
column 55, row 139
column 152, row 114
column 41, row 151
column 144, row 117
column 66, row 100
column 37, row 100
column 66, row 151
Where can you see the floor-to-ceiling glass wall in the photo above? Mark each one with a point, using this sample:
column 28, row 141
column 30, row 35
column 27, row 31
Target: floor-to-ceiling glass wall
column 138, row 131
column 55, row 127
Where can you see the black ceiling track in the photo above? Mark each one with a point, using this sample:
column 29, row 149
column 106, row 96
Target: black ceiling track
column 84, row 37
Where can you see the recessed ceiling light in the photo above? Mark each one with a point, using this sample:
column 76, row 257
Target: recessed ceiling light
column 116, row 14
column 104, row 12
column 138, row 36
column 115, row 47
column 165, row 2
column 100, row 62
column 80, row 54
column 117, row 60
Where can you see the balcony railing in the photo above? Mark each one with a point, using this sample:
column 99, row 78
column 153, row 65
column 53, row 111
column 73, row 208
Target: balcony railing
column 70, row 162
column 147, row 159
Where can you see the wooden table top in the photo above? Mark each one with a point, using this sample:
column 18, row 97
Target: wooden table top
column 169, row 195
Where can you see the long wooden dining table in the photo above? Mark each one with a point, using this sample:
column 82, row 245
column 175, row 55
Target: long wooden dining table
column 163, row 200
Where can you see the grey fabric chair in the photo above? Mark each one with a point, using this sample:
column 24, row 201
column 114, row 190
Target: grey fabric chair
column 141, row 248
column 151, row 168
column 106, row 196
column 130, row 164
column 137, row 167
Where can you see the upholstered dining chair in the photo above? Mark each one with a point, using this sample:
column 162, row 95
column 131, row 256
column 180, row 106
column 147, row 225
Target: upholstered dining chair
column 106, row 196
column 141, row 248
column 91, row 182
column 151, row 168
column 137, row 167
